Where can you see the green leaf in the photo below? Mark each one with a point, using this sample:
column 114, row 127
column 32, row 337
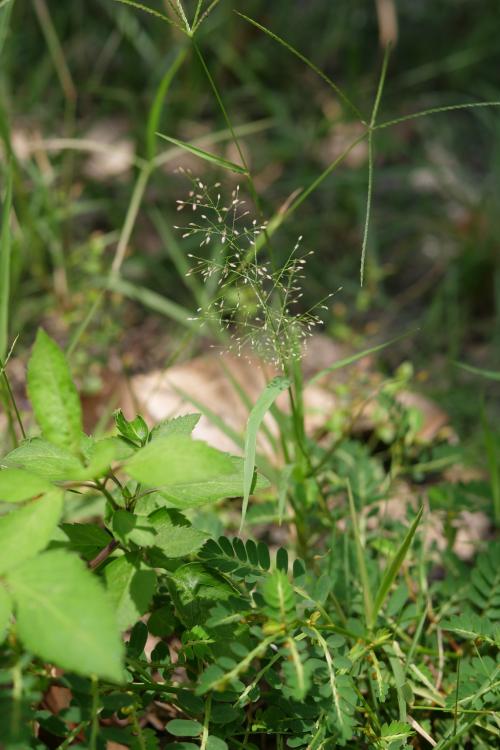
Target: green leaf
column 64, row 616
column 215, row 743
column 211, row 490
column 471, row 626
column 224, row 163
column 264, row 402
column 99, row 457
column 131, row 586
column 26, row 531
column 184, row 728
column 135, row 430
column 5, row 611
column 17, row 485
column 393, row 569
column 175, row 536
column 127, row 527
column 183, row 425
column 87, row 539
column 177, row 460
column 279, row 597
column 196, row 589
column 53, row 394
column 45, row 459
column 59, row 464
column 395, row 731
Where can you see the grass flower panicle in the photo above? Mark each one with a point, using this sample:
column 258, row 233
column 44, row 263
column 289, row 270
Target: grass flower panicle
column 255, row 302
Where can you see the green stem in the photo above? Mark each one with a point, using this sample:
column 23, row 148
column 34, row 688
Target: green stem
column 94, row 731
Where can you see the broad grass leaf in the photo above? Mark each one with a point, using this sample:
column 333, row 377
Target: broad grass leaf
column 393, row 568
column 53, row 394
column 27, row 530
column 64, row 615
column 131, row 587
column 17, row 485
column 264, row 402
column 213, row 158
column 211, row 490
column 5, row 611
column 177, row 460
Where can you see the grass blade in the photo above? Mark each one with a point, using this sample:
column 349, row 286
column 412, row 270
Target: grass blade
column 152, row 12
column 435, row 111
column 360, row 556
column 224, row 163
column 490, row 374
column 491, row 447
column 308, row 62
column 369, row 190
column 393, row 569
column 356, row 357
column 154, row 301
column 156, row 107
column 264, row 402
column 5, row 256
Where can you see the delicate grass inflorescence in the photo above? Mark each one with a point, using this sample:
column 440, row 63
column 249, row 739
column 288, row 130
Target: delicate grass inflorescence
column 256, row 303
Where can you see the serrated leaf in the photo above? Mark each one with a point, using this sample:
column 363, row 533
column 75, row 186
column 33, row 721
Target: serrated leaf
column 135, row 430
column 5, row 611
column 99, row 457
column 131, row 586
column 175, row 536
column 53, row 394
column 127, row 527
column 64, row 616
column 183, row 425
column 27, row 530
column 45, row 459
column 87, row 539
column 196, row 590
column 177, row 460
column 264, row 402
column 18, row 485
column 201, row 493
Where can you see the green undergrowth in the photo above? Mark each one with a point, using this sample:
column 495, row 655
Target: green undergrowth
column 324, row 586
column 168, row 633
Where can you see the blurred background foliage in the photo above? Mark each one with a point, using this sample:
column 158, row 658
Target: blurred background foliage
column 77, row 80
